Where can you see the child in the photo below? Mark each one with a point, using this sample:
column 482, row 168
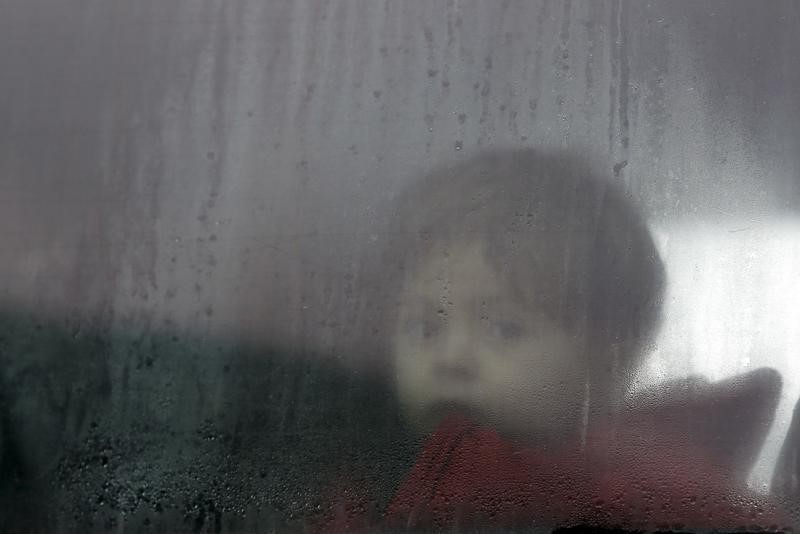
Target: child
column 548, row 277
column 522, row 294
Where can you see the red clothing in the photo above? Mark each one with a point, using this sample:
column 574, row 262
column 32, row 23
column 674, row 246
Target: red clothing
column 644, row 473
column 467, row 476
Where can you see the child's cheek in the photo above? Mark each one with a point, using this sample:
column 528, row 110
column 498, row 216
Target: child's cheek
column 413, row 376
column 531, row 387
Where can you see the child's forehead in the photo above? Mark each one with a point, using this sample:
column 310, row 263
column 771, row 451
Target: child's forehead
column 449, row 260
column 463, row 270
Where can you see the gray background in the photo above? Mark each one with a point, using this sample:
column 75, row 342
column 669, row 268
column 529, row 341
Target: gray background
column 221, row 166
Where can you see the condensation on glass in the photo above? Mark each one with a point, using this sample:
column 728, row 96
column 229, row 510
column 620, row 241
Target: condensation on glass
column 346, row 264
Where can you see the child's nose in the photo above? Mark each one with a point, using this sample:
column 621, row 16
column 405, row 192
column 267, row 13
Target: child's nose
column 457, row 360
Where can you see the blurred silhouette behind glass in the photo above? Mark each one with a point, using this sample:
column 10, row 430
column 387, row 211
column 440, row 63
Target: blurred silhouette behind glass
column 520, row 293
column 550, row 273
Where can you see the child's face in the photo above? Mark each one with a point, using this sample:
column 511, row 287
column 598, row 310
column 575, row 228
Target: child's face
column 465, row 341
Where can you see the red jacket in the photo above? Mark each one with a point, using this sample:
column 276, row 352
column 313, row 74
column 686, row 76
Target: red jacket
column 642, row 473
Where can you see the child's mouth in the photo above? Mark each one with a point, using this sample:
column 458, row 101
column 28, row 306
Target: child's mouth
column 446, row 407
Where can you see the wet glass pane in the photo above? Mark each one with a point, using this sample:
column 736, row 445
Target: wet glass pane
column 331, row 265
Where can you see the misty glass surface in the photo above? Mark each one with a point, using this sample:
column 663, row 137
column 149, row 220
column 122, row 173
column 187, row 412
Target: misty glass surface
column 319, row 265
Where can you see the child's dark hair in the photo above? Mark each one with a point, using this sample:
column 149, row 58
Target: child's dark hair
column 549, row 223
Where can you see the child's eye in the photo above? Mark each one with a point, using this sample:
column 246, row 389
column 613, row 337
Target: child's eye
column 506, row 329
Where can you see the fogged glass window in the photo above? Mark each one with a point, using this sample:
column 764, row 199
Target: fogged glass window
column 306, row 266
